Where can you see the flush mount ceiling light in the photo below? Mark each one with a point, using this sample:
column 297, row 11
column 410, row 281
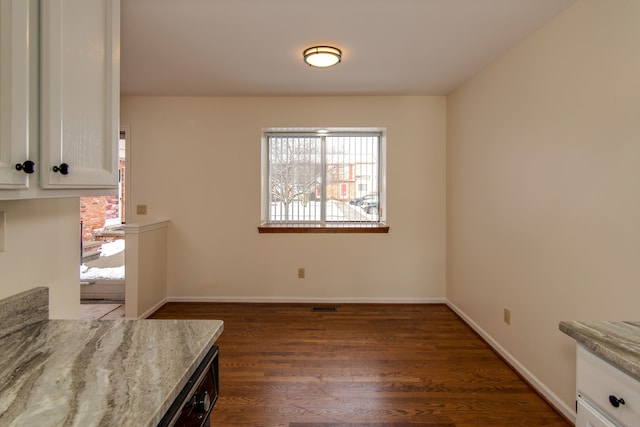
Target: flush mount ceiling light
column 322, row 56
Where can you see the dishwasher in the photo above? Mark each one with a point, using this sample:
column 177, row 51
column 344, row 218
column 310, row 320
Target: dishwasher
column 193, row 406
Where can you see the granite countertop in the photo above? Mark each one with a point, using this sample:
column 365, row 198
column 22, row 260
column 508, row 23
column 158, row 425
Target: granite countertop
column 100, row 372
column 616, row 342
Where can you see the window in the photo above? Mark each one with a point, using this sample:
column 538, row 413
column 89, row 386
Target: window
column 323, row 181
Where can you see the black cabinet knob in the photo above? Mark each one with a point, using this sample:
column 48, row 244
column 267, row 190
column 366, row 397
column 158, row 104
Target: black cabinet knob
column 27, row 167
column 63, row 169
column 615, row 402
column 201, row 402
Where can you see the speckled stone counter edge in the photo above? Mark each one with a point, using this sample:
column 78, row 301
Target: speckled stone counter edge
column 23, row 309
column 616, row 342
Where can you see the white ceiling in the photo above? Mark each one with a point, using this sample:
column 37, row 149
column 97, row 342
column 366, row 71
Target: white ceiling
column 254, row 47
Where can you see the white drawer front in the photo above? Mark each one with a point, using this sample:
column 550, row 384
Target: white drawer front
column 597, row 380
column 589, row 417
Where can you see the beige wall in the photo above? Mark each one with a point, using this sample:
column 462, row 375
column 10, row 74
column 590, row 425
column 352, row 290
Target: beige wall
column 196, row 161
column 42, row 248
column 543, row 186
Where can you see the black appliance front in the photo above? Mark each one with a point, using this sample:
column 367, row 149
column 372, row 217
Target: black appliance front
column 193, row 406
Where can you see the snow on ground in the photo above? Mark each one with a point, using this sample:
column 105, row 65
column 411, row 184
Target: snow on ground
column 104, row 273
column 111, row 249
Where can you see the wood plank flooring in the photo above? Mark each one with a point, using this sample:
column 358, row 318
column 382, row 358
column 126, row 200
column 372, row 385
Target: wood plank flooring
column 285, row 365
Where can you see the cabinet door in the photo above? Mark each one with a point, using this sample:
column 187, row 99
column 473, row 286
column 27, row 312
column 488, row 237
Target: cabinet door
column 14, row 92
column 80, row 85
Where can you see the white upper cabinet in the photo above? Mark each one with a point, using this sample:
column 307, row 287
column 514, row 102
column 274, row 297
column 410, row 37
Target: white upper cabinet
column 80, row 85
column 59, row 98
column 14, row 95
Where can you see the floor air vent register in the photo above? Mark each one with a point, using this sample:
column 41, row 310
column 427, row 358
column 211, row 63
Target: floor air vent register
column 324, row 309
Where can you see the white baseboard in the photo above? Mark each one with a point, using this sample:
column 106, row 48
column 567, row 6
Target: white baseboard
column 551, row 397
column 153, row 309
column 311, row 300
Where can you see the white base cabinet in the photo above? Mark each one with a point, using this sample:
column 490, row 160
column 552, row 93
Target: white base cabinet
column 589, row 416
column 606, row 395
column 59, row 92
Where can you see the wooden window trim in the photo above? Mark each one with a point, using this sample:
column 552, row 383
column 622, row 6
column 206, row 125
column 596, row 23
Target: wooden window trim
column 324, row 228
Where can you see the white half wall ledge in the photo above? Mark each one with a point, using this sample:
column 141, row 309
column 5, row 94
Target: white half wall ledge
column 551, row 397
column 144, row 226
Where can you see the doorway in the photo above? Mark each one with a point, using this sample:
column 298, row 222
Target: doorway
column 102, row 260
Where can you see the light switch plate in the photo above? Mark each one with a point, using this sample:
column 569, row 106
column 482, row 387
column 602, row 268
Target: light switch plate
column 1, row 231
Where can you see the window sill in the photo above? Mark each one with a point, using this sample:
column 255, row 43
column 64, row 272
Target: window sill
column 324, row 228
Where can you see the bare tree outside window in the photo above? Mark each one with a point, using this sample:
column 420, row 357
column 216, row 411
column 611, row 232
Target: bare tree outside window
column 323, row 178
column 295, row 175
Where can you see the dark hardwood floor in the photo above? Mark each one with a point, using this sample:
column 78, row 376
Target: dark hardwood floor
column 371, row 365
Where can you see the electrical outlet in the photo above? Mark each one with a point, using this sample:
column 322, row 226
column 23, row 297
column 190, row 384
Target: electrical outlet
column 141, row 209
column 301, row 273
column 507, row 316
